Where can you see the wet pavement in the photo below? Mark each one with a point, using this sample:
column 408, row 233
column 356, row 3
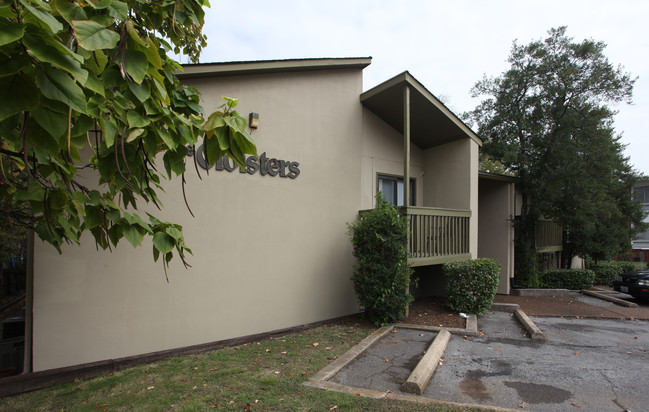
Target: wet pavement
column 592, row 364
column 598, row 365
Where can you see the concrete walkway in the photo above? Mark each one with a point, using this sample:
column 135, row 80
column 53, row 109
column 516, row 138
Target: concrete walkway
column 594, row 364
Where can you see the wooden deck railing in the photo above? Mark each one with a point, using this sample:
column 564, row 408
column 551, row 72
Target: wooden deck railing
column 549, row 237
column 436, row 235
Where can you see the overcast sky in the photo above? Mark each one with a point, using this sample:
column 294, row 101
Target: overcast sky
column 446, row 45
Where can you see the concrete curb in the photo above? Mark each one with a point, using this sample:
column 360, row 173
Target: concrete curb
column 505, row 307
column 532, row 329
column 418, row 379
column 620, row 302
column 321, row 379
column 543, row 292
column 471, row 328
column 330, row 370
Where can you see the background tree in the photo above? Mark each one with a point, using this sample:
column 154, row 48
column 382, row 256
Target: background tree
column 546, row 120
column 69, row 68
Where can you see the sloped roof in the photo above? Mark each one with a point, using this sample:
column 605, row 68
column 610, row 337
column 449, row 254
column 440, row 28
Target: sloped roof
column 431, row 122
column 271, row 66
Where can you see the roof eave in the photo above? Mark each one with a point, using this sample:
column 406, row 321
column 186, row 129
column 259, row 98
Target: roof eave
column 406, row 78
column 270, row 66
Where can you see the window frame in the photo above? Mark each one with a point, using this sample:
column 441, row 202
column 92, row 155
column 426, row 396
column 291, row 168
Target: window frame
column 397, row 179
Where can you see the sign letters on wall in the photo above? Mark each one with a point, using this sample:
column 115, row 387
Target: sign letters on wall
column 262, row 164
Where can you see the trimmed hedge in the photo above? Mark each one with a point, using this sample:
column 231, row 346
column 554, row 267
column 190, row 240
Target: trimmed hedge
column 471, row 285
column 606, row 272
column 574, row 279
column 382, row 274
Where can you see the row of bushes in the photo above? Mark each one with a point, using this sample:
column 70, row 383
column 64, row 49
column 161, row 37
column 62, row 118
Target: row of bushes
column 606, row 272
column 601, row 273
column 573, row 279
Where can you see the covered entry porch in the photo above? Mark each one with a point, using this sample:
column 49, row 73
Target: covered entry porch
column 439, row 159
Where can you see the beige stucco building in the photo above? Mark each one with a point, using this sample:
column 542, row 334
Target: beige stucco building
column 272, row 251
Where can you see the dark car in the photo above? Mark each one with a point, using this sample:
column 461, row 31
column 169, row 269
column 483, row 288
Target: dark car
column 635, row 284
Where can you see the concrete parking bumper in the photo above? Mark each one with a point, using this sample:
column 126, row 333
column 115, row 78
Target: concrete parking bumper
column 418, row 379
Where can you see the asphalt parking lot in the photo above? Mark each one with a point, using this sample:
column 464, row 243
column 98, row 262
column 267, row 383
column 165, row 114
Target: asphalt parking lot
column 595, row 364
column 591, row 364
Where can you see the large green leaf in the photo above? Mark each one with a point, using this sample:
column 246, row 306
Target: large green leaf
column 45, row 50
column 152, row 53
column 134, row 219
column 163, row 242
column 54, row 122
column 43, row 143
column 43, row 16
column 245, row 143
column 18, row 93
column 134, row 234
column 236, row 121
column 141, row 91
column 93, row 83
column 134, row 134
column 94, row 36
column 14, row 64
column 166, row 138
column 57, row 85
column 10, row 31
column 118, row 10
column 69, row 10
column 136, row 65
column 96, row 61
column 174, row 161
column 214, row 120
column 34, row 192
column 212, row 150
column 134, row 34
column 137, row 120
column 222, row 134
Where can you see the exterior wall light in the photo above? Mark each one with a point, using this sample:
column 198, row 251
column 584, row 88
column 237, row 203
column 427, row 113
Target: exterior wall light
column 253, row 120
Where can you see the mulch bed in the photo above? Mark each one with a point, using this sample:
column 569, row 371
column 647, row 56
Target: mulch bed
column 571, row 307
column 432, row 312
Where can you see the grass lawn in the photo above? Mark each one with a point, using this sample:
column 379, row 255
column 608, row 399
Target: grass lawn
column 266, row 375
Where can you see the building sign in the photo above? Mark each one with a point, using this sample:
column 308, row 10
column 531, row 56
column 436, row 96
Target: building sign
column 262, row 164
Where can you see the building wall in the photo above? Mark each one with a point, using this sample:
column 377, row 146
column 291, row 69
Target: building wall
column 496, row 230
column 269, row 252
column 451, row 180
column 382, row 153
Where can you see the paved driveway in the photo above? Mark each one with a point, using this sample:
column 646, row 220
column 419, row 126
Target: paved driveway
column 585, row 364
column 598, row 365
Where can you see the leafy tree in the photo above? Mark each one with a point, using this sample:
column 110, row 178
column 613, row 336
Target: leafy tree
column 88, row 85
column 491, row 165
column 546, row 120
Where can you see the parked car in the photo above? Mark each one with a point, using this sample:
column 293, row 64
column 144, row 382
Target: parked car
column 635, row 284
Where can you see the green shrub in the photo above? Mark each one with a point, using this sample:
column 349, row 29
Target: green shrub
column 471, row 285
column 382, row 274
column 573, row 279
column 625, row 266
column 607, row 271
